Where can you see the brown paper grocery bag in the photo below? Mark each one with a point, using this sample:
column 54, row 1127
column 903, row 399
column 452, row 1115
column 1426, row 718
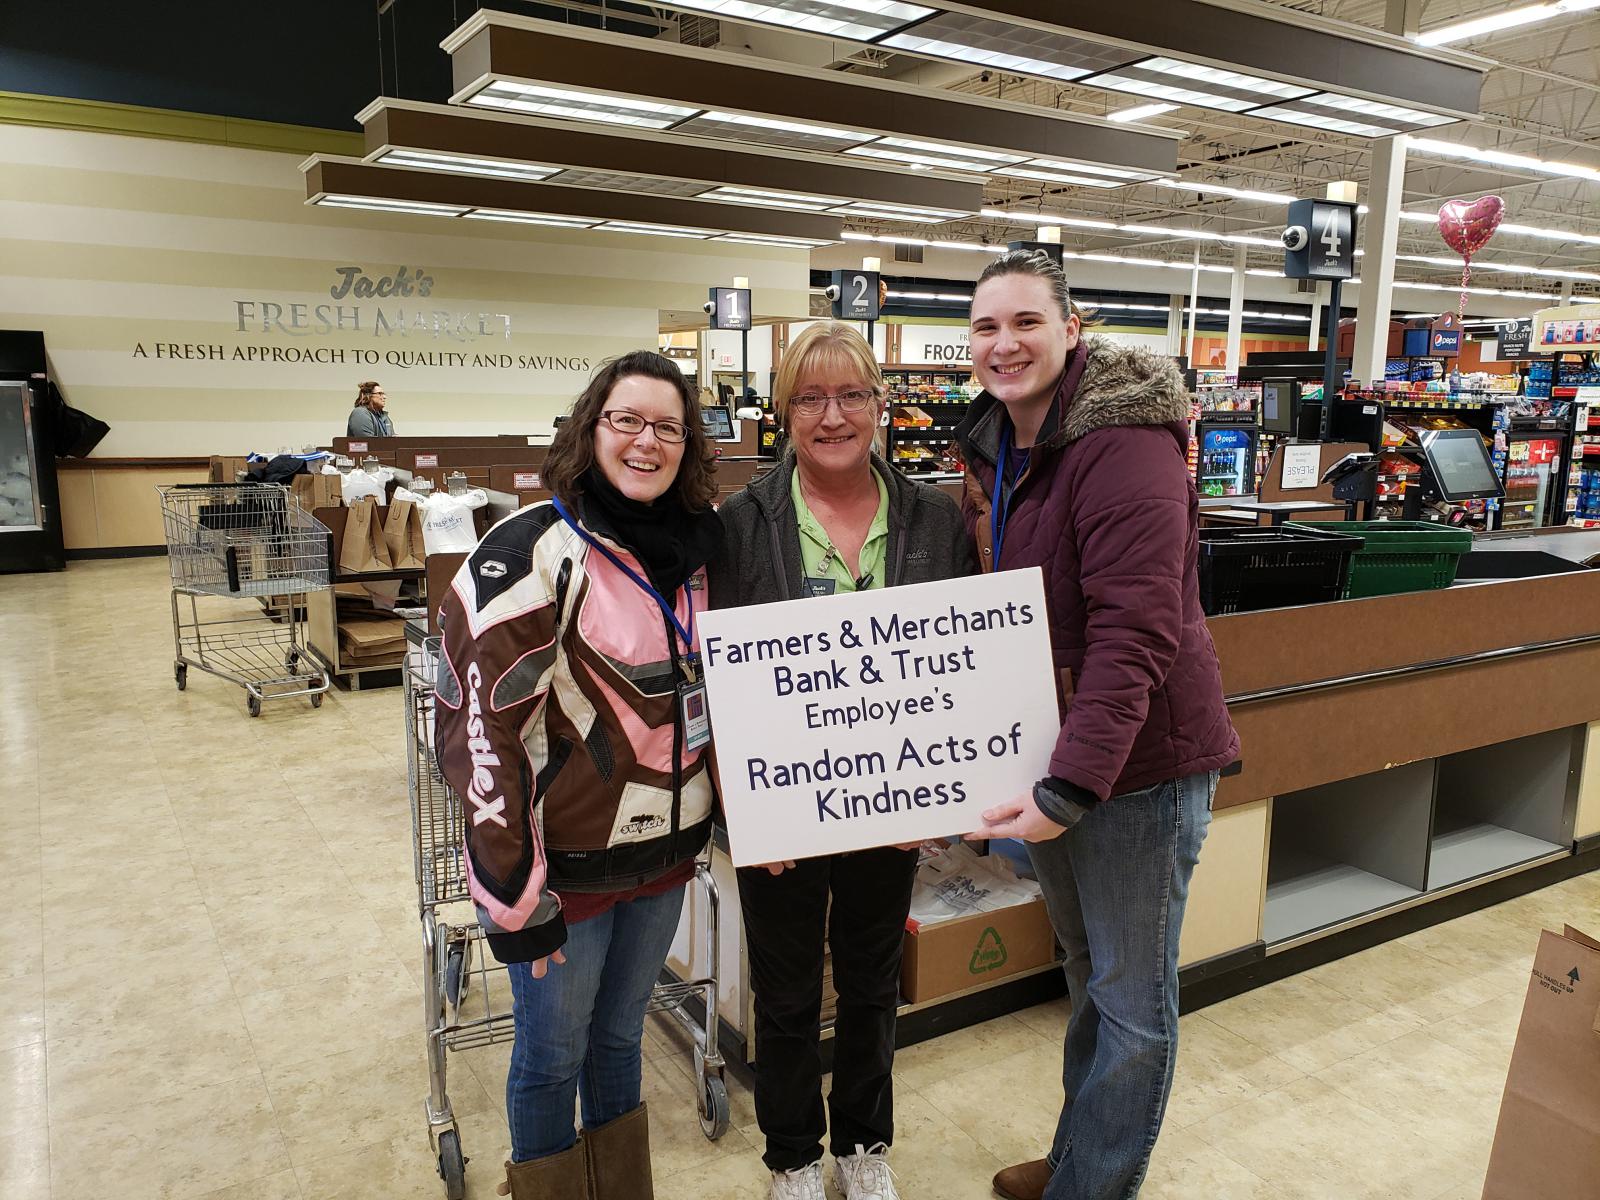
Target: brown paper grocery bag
column 364, row 548
column 1547, row 1143
column 405, row 546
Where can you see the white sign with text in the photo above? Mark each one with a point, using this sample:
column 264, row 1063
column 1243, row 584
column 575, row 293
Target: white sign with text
column 1302, row 467
column 875, row 718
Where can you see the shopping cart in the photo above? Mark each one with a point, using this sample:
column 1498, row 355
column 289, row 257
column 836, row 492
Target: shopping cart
column 244, row 541
column 466, row 996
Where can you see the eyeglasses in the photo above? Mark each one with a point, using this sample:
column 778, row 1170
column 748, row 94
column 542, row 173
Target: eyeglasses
column 811, row 404
column 633, row 424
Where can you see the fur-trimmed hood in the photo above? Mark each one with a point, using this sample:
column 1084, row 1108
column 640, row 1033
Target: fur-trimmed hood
column 1105, row 384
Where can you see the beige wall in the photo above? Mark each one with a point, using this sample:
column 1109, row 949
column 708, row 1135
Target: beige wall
column 120, row 246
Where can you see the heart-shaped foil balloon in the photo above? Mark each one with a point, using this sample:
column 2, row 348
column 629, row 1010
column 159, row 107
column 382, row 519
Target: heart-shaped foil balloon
column 1467, row 225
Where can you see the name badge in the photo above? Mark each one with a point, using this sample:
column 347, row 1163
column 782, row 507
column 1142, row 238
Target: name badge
column 696, row 718
column 812, row 587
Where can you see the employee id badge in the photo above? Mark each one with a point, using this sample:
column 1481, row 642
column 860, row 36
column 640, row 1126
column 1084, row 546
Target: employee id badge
column 696, row 718
column 813, row 587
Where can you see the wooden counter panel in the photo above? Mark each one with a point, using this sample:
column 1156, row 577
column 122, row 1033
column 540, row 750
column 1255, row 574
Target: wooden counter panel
column 152, row 464
column 1303, row 741
column 1285, row 646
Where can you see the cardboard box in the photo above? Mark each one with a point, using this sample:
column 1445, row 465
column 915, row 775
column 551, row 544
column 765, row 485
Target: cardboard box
column 968, row 952
column 225, row 468
column 1547, row 1142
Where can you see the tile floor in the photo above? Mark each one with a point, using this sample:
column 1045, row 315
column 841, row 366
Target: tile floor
column 208, row 978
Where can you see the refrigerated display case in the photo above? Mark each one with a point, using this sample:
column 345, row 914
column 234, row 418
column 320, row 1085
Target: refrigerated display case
column 30, row 517
column 1225, row 460
column 1535, row 463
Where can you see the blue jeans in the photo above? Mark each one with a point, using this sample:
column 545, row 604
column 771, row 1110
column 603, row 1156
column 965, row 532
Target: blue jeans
column 1116, row 885
column 579, row 1029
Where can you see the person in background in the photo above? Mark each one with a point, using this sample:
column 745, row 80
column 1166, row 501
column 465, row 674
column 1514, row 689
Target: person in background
column 569, row 660
column 1075, row 457
column 832, row 517
column 368, row 418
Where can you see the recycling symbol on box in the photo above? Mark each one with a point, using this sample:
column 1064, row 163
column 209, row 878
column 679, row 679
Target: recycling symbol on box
column 989, row 954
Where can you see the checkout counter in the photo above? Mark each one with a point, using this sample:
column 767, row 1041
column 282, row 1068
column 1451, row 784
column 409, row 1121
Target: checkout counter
column 1406, row 759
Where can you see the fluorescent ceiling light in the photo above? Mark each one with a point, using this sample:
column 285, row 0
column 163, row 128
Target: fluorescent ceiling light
column 680, row 231
column 966, row 152
column 525, row 218
column 1219, row 189
column 769, row 239
column 822, row 131
column 1374, row 108
column 1554, row 235
column 461, row 164
column 1505, row 268
column 1320, row 121
column 944, row 162
column 1045, row 176
column 898, row 212
column 978, row 57
column 399, row 206
column 1166, row 91
column 1221, row 78
column 1510, row 19
column 859, row 20
column 1088, row 168
column 1141, row 112
column 1046, row 219
column 1501, row 158
column 761, row 198
column 580, row 106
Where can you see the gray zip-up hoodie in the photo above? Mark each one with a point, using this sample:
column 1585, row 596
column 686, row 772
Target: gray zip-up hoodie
column 760, row 559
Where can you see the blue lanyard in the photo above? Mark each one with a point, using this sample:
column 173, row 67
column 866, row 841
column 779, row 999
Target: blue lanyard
column 644, row 585
column 999, row 502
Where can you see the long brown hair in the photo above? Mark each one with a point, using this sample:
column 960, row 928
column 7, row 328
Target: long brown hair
column 572, row 452
column 364, row 393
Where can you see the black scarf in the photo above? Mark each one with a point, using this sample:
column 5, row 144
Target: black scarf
column 670, row 542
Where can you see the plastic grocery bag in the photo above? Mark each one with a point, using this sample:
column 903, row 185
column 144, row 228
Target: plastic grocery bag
column 447, row 525
column 358, row 485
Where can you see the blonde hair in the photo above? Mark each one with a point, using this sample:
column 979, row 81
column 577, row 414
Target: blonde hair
column 827, row 343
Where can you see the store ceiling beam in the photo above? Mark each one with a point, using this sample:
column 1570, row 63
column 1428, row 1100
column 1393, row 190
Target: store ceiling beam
column 585, row 152
column 1098, row 45
column 337, row 181
column 713, row 93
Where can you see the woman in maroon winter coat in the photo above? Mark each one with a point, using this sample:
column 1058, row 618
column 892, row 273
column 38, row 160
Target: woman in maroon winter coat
column 1076, row 464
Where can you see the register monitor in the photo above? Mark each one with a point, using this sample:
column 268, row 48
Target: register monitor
column 718, row 423
column 1461, row 466
column 1279, row 399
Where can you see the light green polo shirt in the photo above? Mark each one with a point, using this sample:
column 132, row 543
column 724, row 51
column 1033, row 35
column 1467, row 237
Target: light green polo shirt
column 816, row 549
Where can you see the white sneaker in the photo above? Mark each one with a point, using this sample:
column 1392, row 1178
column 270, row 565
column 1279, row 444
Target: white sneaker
column 865, row 1175
column 804, row 1183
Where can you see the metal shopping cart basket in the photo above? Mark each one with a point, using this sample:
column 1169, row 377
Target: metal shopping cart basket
column 244, row 542
column 466, row 996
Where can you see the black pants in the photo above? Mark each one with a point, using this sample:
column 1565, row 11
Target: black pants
column 784, row 919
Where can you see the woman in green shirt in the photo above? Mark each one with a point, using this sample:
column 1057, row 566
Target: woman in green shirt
column 831, row 517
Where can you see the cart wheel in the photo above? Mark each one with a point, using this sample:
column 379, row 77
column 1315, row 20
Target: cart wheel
column 253, row 703
column 452, row 1167
column 713, row 1107
column 455, row 973
column 180, row 674
column 316, row 700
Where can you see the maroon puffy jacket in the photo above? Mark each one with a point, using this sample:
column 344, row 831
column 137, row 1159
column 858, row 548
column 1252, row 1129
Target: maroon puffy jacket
column 1106, row 506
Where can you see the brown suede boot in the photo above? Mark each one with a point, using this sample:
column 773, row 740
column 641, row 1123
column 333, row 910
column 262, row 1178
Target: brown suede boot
column 1025, row 1181
column 619, row 1158
column 563, row 1176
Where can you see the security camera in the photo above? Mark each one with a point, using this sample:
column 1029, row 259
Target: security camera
column 831, row 292
column 984, row 78
column 708, row 308
column 1296, row 237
